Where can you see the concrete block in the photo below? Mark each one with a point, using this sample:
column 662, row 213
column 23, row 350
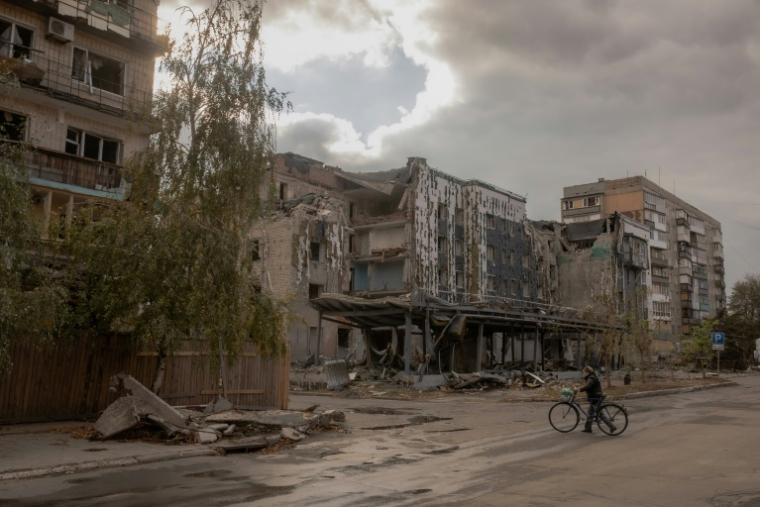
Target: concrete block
column 292, row 434
column 120, row 415
column 148, row 403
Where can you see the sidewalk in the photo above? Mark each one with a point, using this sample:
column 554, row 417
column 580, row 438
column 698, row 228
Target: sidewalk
column 35, row 450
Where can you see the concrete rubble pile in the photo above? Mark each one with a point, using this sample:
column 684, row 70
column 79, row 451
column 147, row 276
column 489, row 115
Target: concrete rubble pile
column 231, row 429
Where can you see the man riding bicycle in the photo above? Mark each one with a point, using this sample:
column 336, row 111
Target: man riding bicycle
column 593, row 390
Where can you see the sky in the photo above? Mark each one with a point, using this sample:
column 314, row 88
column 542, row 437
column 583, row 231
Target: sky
column 532, row 95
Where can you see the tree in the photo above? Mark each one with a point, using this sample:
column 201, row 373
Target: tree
column 33, row 294
column 607, row 341
column 742, row 321
column 698, row 345
column 172, row 263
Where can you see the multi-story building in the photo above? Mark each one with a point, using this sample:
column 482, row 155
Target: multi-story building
column 392, row 233
column 686, row 247
column 77, row 87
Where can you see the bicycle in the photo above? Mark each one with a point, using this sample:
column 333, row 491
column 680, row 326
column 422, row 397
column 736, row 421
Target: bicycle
column 564, row 416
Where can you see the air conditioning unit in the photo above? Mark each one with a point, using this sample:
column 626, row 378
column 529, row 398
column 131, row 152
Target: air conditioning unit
column 60, row 31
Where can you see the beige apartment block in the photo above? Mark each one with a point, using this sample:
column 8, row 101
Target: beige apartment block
column 686, row 247
column 77, row 90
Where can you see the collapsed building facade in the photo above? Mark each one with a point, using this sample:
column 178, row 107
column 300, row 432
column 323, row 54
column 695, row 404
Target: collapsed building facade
column 411, row 268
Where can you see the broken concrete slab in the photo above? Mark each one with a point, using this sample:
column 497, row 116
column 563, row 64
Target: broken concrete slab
column 170, row 429
column 147, row 402
column 281, row 418
column 206, row 436
column 120, row 415
column 292, row 434
column 326, row 418
column 230, row 430
column 247, row 444
column 429, row 381
column 221, row 427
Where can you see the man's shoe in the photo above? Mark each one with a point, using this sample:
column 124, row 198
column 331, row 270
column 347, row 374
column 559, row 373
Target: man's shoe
column 612, row 427
column 587, row 430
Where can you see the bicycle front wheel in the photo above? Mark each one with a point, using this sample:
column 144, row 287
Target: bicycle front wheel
column 564, row 417
column 612, row 419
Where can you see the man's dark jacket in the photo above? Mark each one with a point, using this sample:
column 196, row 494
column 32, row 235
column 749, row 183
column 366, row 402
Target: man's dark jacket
column 593, row 387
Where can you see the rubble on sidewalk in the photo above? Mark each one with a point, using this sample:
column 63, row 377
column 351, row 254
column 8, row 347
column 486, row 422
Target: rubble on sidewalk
column 229, row 428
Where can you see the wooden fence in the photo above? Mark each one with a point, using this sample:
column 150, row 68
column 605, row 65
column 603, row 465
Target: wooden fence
column 71, row 381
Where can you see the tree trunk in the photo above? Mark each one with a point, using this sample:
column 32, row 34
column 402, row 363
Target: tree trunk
column 158, row 379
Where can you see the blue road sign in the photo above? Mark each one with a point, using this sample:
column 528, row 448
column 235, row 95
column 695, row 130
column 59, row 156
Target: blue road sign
column 718, row 341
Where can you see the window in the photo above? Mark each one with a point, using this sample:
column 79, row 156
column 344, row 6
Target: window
column 490, row 253
column 351, row 210
column 315, row 251
column 566, row 205
column 443, row 276
column 351, row 244
column 98, row 71
column 491, row 283
column 661, row 289
column 460, row 280
column 314, row 291
column 458, row 247
column 590, row 201
column 255, row 253
column 15, row 40
column 490, row 221
column 343, row 334
column 283, row 191
column 12, row 126
column 526, row 260
column 505, row 256
column 442, row 211
column 443, row 244
column 459, row 216
column 512, row 257
column 91, row 146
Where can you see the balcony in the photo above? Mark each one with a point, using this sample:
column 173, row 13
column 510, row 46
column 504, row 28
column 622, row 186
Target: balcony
column 62, row 168
column 116, row 20
column 55, row 80
column 720, row 284
column 660, row 261
column 719, row 269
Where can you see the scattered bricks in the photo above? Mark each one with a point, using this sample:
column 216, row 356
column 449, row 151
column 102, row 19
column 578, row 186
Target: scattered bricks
column 292, row 434
column 120, row 415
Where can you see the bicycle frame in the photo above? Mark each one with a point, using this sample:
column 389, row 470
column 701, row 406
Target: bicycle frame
column 597, row 402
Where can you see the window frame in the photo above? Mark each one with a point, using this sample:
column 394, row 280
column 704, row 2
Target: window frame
column 24, row 130
column 88, row 71
column 101, row 143
column 15, row 25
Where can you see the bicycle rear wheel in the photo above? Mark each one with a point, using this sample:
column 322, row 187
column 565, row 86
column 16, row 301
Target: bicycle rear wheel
column 564, row 417
column 612, row 419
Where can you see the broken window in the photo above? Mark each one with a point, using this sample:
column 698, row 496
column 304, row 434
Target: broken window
column 460, row 280
column 591, row 201
column 314, row 291
column 459, row 216
column 442, row 211
column 12, row 126
column 490, row 221
column 458, row 247
column 15, row 40
column 490, row 253
column 91, row 146
column 566, row 205
column 98, row 71
column 442, row 244
column 491, row 283
column 351, row 243
column 255, row 255
column 343, row 334
column 315, row 251
column 443, row 276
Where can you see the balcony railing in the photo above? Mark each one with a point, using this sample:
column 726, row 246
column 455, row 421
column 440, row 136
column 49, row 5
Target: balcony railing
column 56, row 79
column 58, row 167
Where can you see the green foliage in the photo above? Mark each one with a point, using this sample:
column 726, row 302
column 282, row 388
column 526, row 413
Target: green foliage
column 33, row 297
column 698, row 345
column 171, row 263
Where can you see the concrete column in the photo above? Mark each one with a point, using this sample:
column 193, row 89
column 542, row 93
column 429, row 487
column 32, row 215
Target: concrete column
column 408, row 343
column 319, row 337
column 535, row 350
column 69, row 211
column 479, row 363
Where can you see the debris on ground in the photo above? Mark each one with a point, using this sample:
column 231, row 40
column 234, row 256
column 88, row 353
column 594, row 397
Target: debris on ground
column 141, row 415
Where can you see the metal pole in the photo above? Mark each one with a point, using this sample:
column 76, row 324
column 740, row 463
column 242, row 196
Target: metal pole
column 319, row 337
column 535, row 350
column 408, row 343
column 479, row 360
column 719, row 362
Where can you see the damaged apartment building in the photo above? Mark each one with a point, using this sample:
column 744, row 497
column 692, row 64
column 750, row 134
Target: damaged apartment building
column 413, row 230
column 77, row 78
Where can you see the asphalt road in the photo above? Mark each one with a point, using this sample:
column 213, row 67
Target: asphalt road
column 691, row 449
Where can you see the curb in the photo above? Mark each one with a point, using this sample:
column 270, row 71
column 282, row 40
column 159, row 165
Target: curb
column 104, row 463
column 665, row 392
